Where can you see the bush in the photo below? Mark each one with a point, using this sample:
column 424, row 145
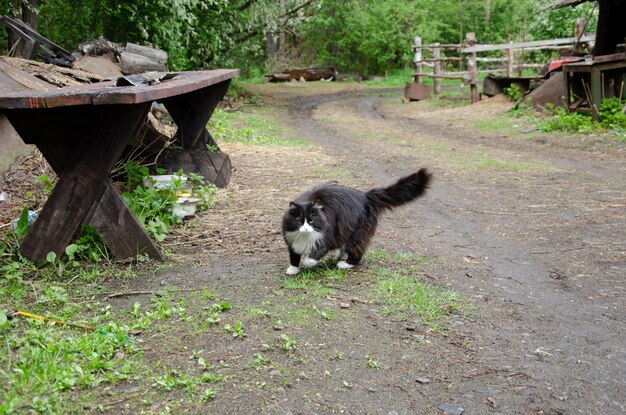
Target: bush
column 611, row 118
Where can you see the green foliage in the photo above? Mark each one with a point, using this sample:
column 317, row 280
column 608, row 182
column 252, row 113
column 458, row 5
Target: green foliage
column 40, row 362
column 248, row 128
column 368, row 37
column 513, row 92
column 406, row 294
column 611, row 118
column 362, row 36
column 154, row 207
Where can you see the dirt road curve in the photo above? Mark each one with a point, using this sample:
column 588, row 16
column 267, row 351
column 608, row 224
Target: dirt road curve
column 529, row 228
column 532, row 229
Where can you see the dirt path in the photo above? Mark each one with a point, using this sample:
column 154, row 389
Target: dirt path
column 529, row 228
column 535, row 233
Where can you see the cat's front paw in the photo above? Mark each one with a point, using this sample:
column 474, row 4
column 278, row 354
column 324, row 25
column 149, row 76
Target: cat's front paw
column 344, row 265
column 291, row 270
column 309, row 262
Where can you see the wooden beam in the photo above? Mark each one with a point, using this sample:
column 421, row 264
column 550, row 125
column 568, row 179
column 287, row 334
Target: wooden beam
column 120, row 230
column 522, row 45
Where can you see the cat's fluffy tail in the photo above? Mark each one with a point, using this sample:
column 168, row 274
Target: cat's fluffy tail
column 403, row 191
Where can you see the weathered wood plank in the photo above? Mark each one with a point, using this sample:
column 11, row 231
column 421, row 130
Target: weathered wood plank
column 105, row 94
column 522, row 45
column 22, row 80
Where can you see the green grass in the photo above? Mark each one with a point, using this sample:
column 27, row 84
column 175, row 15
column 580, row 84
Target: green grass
column 404, row 294
column 252, row 127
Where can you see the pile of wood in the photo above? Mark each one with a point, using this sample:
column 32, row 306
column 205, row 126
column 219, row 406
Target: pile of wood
column 302, row 75
column 109, row 59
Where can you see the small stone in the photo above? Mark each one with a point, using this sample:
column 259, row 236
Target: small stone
column 423, row 380
column 275, row 373
column 344, row 305
column 278, row 327
column 419, row 337
column 280, row 389
column 163, row 282
column 451, row 409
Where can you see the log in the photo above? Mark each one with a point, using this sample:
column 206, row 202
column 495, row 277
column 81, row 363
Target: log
column 310, row 74
column 133, row 63
column 152, row 53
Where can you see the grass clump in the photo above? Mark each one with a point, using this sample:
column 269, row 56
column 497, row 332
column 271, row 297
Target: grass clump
column 406, row 294
column 250, row 128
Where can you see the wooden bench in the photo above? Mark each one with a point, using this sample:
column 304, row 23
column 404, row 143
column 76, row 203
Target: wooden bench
column 82, row 132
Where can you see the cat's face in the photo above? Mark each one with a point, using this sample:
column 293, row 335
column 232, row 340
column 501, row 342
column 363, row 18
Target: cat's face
column 305, row 218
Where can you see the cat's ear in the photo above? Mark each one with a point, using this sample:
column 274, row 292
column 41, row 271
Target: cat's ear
column 293, row 205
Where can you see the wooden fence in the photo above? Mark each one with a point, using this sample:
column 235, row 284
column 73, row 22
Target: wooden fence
column 465, row 57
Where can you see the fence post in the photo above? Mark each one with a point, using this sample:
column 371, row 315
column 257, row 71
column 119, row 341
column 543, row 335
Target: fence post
column 509, row 62
column 437, row 68
column 470, row 40
column 579, row 31
column 417, row 59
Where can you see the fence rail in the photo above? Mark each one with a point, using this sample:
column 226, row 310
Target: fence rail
column 466, row 56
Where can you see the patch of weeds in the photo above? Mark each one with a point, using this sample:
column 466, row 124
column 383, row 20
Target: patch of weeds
column 404, row 294
column 260, row 311
column 376, row 255
column 236, row 330
column 215, row 312
column 259, row 361
column 410, row 258
column 155, row 207
column 42, row 361
column 287, row 343
column 325, row 314
column 611, row 118
column 175, row 379
column 164, row 309
column 311, row 281
column 371, row 363
column 221, row 307
column 249, row 128
column 514, row 93
column 206, row 294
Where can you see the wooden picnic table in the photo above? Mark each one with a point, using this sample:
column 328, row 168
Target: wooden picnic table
column 82, row 132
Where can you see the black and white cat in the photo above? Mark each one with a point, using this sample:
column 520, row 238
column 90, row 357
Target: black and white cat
column 342, row 220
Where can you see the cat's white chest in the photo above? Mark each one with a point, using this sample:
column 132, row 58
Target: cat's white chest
column 303, row 240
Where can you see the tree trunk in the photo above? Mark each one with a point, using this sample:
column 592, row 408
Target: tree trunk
column 611, row 29
column 281, row 36
column 270, row 47
column 26, row 11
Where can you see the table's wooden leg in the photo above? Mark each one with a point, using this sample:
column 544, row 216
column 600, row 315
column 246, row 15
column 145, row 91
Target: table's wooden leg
column 191, row 112
column 82, row 181
column 119, row 229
